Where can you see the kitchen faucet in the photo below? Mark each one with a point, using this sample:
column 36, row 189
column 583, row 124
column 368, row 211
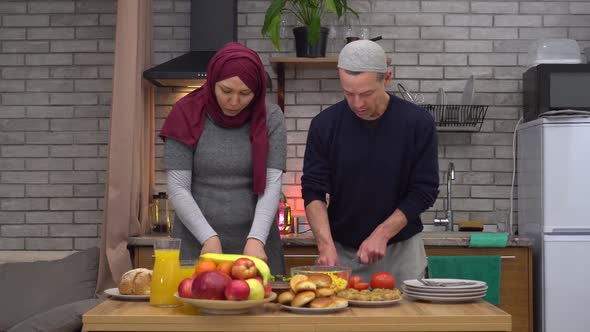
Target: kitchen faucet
column 448, row 221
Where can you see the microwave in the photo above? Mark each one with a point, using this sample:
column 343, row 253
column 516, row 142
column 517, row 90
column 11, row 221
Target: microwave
column 551, row 87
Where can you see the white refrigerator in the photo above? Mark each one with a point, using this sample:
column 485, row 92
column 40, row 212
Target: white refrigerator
column 553, row 167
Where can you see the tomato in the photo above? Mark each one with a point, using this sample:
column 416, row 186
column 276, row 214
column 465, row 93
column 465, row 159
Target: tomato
column 383, row 280
column 353, row 280
column 361, row 285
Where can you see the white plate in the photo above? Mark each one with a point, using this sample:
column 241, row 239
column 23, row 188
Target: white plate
column 317, row 311
column 225, row 307
column 358, row 303
column 444, row 290
column 444, row 299
column 417, row 284
column 413, row 293
column 114, row 292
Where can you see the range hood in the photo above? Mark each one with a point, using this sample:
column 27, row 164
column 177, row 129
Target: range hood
column 213, row 24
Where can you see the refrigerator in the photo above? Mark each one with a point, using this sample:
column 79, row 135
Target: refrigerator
column 553, row 169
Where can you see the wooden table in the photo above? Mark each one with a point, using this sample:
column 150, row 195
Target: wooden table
column 114, row 315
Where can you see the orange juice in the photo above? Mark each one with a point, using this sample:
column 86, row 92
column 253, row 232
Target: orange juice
column 186, row 271
column 165, row 278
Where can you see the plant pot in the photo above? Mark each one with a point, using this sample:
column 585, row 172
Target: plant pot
column 304, row 49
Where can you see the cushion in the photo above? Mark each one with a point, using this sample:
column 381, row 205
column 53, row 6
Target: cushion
column 65, row 318
column 40, row 286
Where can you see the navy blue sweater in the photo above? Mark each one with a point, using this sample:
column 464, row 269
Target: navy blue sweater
column 371, row 168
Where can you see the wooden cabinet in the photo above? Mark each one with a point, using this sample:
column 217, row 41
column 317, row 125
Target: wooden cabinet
column 142, row 256
column 516, row 284
column 299, row 256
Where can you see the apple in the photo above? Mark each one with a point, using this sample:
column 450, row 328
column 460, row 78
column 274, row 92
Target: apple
column 256, row 289
column 237, row 290
column 243, row 268
column 210, row 285
column 185, row 288
column 267, row 286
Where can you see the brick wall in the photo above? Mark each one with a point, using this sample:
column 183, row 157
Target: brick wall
column 55, row 90
column 433, row 44
column 56, row 63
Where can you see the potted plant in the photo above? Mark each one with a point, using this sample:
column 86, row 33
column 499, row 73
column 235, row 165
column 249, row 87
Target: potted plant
column 310, row 37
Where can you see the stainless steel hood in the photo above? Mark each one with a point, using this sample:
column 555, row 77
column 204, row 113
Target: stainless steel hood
column 213, row 24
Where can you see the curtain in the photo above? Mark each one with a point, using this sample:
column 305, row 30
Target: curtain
column 130, row 176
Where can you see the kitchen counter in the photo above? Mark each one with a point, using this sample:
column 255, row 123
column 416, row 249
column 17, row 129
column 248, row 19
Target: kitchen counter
column 437, row 239
column 114, row 315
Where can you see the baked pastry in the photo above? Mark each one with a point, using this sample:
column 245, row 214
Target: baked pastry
column 338, row 302
column 303, row 298
column 324, row 292
column 321, row 302
column 136, row 282
column 286, row 297
column 321, row 280
column 304, row 285
column 295, row 279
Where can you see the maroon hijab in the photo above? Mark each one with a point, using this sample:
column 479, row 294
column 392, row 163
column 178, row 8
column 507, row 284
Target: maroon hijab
column 186, row 121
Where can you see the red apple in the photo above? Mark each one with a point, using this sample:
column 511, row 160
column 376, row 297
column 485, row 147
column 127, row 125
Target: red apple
column 210, row 285
column 243, row 268
column 267, row 287
column 185, row 288
column 237, row 290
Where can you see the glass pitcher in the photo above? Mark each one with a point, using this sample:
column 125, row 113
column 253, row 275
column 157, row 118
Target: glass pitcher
column 160, row 214
column 166, row 275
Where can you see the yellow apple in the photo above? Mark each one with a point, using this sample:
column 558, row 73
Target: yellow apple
column 256, row 289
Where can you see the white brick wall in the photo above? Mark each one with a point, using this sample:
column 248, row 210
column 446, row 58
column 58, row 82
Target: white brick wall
column 55, row 85
column 433, row 44
column 56, row 64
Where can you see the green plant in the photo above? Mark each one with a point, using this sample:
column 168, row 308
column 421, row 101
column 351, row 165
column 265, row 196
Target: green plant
column 307, row 12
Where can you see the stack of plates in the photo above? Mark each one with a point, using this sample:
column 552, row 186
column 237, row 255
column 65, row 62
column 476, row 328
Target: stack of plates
column 445, row 290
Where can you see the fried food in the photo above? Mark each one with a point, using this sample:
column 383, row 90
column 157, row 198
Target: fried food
column 377, row 294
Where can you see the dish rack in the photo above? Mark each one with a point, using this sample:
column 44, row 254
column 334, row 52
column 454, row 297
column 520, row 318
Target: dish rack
column 457, row 117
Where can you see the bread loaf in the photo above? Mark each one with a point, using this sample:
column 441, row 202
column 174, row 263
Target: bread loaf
column 136, row 282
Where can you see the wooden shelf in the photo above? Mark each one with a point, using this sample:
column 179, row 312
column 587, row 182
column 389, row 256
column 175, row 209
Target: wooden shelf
column 286, row 59
column 280, row 63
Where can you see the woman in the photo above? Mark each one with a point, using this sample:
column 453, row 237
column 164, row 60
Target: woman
column 224, row 154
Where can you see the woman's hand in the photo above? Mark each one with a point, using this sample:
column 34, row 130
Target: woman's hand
column 212, row 245
column 255, row 248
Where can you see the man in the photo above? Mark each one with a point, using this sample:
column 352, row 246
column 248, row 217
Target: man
column 375, row 156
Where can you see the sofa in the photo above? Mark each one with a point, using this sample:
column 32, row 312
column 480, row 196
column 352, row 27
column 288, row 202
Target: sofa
column 48, row 296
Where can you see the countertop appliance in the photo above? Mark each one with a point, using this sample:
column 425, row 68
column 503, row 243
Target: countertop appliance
column 550, row 87
column 554, row 211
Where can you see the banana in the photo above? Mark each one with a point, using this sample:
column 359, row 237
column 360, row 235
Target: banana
column 261, row 266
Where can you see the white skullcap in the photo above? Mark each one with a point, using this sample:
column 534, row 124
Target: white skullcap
column 363, row 56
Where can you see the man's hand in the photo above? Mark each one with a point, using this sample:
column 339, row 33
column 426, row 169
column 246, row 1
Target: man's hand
column 372, row 249
column 328, row 256
column 212, row 245
column 255, row 247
